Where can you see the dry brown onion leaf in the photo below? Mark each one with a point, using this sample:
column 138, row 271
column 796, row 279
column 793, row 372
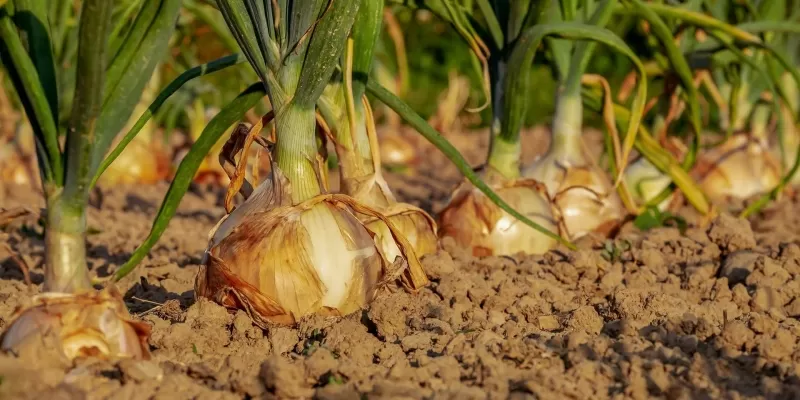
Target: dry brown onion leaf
column 89, row 324
column 477, row 224
column 738, row 168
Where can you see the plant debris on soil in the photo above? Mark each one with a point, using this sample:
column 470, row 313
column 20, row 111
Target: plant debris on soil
column 711, row 313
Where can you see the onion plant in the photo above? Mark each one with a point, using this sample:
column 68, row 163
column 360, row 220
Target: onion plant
column 747, row 92
column 292, row 249
column 356, row 142
column 110, row 75
column 507, row 42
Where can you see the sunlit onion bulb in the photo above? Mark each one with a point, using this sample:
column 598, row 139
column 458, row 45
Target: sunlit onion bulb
column 583, row 200
column 94, row 323
column 416, row 225
column 281, row 262
column 737, row 169
column 396, row 151
column 477, row 224
column 139, row 163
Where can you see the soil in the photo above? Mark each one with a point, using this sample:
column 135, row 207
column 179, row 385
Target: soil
column 710, row 313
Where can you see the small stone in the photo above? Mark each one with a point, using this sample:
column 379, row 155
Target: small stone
column 738, row 265
column 548, row 323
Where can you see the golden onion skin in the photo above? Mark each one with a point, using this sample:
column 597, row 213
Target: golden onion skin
column 739, row 168
column 584, row 203
column 274, row 264
column 396, row 151
column 90, row 324
column 583, row 200
column 413, row 223
column 139, row 163
column 477, row 224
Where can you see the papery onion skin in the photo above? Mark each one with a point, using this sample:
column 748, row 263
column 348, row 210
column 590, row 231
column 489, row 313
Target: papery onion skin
column 477, row 224
column 89, row 324
column 419, row 228
column 739, row 168
column 582, row 196
column 294, row 261
column 396, row 151
column 584, row 203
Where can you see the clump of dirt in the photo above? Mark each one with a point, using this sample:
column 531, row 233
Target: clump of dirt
column 711, row 313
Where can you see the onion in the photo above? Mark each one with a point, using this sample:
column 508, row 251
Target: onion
column 477, row 224
column 738, row 168
column 93, row 323
column 646, row 182
column 281, row 262
column 583, row 200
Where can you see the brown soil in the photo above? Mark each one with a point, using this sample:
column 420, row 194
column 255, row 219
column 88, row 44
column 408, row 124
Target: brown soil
column 708, row 314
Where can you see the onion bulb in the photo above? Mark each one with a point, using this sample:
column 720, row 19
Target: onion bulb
column 416, row 225
column 477, row 224
column 140, row 163
column 583, row 200
column 645, row 182
column 89, row 324
column 396, row 151
column 281, row 262
column 738, row 168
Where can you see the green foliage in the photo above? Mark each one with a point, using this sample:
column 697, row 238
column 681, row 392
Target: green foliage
column 652, row 217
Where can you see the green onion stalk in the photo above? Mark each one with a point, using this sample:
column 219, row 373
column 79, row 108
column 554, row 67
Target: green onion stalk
column 292, row 249
column 110, row 76
column 356, row 141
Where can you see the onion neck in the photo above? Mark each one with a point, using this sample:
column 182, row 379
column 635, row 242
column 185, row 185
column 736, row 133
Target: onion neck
column 296, row 151
column 505, row 156
column 355, row 156
column 567, row 129
column 65, row 247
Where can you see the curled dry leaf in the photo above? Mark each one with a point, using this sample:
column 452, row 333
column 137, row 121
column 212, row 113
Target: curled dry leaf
column 738, row 168
column 89, row 324
column 476, row 223
column 280, row 262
